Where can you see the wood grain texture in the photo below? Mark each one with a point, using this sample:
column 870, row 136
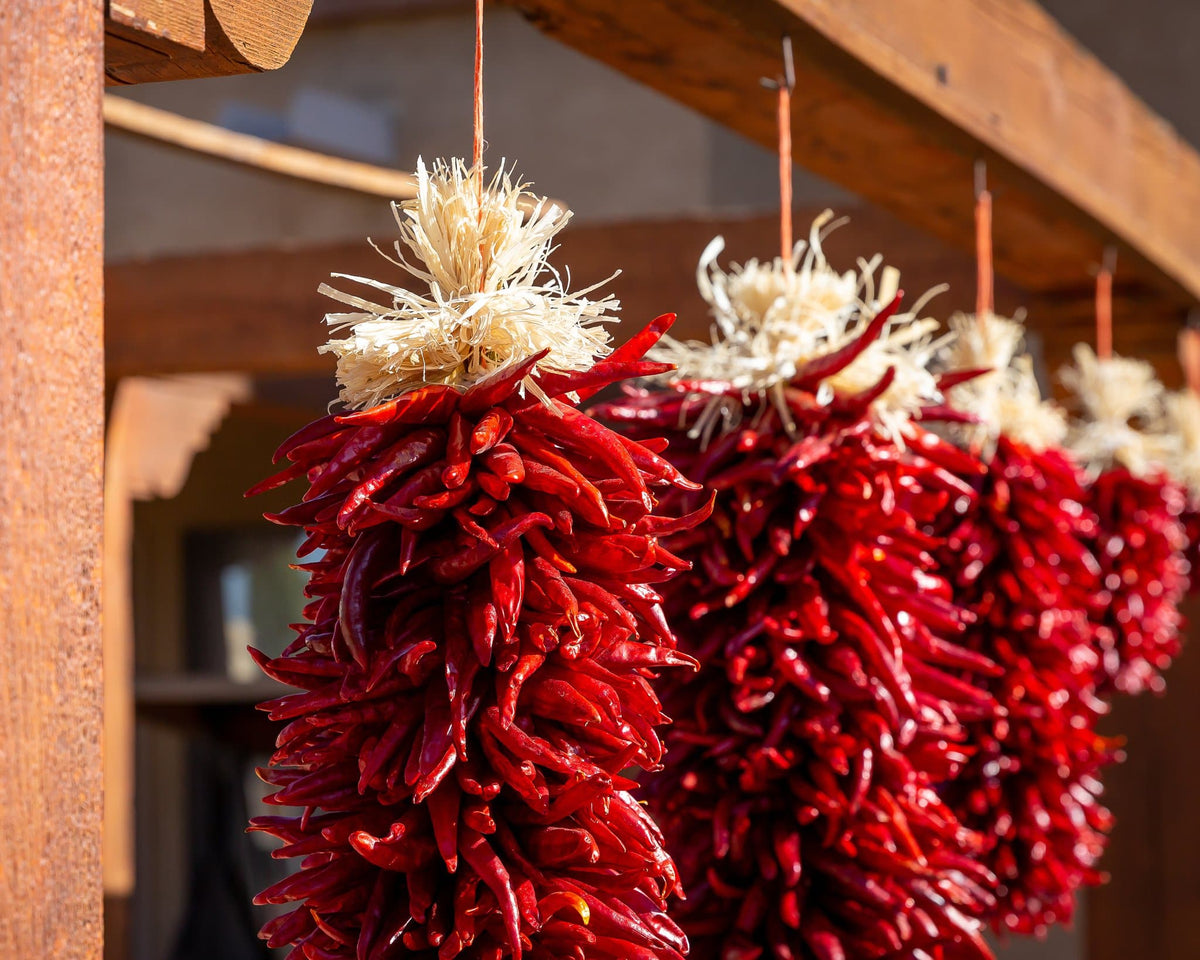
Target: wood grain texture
column 896, row 101
column 1149, row 907
column 178, row 21
column 349, row 11
column 154, row 40
column 259, row 310
column 51, row 450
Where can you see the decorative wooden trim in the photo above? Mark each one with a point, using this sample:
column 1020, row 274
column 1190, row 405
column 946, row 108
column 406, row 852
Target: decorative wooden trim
column 151, row 40
column 52, row 394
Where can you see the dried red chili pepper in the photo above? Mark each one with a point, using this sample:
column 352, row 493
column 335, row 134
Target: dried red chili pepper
column 475, row 673
column 798, row 790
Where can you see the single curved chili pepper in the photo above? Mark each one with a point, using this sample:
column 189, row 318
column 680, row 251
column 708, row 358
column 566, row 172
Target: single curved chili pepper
column 498, row 387
column 429, row 405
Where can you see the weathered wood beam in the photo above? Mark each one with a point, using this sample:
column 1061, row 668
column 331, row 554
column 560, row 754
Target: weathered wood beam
column 896, row 101
column 150, row 40
column 259, row 311
column 349, row 11
column 51, row 454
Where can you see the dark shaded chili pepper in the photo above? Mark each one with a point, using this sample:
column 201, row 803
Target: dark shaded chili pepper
column 470, row 696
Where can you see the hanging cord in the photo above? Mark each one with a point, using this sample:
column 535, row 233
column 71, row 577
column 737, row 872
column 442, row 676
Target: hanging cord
column 477, row 133
column 985, row 284
column 1189, row 354
column 477, row 143
column 1104, row 304
column 784, row 86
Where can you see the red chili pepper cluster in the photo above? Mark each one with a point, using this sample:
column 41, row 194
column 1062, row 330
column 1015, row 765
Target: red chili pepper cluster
column 1019, row 561
column 475, row 677
column 1144, row 573
column 798, row 793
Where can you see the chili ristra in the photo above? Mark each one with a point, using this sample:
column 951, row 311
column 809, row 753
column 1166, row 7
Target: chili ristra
column 1183, row 461
column 1140, row 540
column 799, row 784
column 1019, row 558
column 475, row 669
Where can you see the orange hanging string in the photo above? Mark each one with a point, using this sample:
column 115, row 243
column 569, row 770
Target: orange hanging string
column 785, row 173
column 1104, row 305
column 784, row 118
column 985, row 294
column 478, row 125
column 477, row 132
column 1189, row 356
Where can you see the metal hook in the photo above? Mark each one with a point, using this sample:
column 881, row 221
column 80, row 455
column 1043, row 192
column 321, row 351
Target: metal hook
column 788, row 79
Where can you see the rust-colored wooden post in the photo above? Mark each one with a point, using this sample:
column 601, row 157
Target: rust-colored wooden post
column 51, row 449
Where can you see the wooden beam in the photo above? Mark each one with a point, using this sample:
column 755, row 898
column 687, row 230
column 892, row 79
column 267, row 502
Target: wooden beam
column 352, row 11
column 51, row 451
column 896, row 101
column 151, row 40
column 259, row 311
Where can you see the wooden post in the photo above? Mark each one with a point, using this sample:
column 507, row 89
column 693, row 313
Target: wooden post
column 51, row 448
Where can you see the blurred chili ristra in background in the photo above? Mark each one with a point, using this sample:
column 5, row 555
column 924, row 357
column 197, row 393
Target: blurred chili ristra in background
column 1140, row 538
column 835, row 691
column 1019, row 559
column 1183, row 463
column 485, row 621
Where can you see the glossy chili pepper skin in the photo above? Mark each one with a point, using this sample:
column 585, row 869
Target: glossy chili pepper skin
column 475, row 680
column 1020, row 557
column 1140, row 544
column 798, row 793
